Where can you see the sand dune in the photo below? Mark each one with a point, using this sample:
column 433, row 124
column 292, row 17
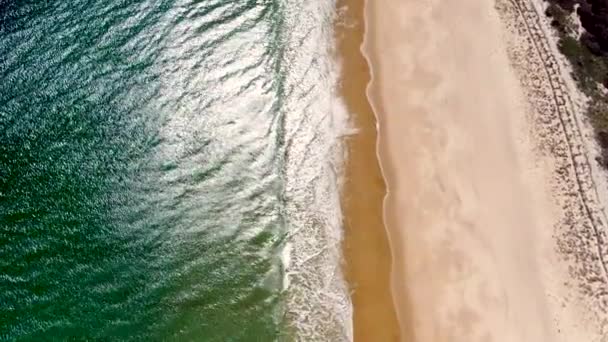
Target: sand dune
column 471, row 146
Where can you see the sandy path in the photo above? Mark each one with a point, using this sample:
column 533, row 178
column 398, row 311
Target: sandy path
column 467, row 213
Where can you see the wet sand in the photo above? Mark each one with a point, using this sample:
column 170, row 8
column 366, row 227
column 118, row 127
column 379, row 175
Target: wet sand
column 468, row 212
column 365, row 246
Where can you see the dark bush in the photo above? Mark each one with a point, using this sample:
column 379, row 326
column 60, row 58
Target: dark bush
column 589, row 58
column 567, row 5
column 592, row 44
column 594, row 19
column 602, row 138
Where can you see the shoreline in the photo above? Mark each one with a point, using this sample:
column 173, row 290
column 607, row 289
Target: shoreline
column 405, row 312
column 401, row 300
column 368, row 257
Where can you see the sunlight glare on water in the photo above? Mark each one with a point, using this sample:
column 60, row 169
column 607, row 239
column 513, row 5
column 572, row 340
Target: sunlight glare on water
column 160, row 162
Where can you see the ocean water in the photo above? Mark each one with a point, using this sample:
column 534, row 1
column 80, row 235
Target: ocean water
column 170, row 170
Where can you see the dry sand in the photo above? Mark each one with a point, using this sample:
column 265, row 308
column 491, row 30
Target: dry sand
column 493, row 222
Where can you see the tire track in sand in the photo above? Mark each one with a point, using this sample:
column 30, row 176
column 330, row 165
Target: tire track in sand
column 581, row 230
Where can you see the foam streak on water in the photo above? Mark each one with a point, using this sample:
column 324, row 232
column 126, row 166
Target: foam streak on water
column 315, row 121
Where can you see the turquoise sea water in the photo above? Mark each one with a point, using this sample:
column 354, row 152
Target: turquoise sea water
column 167, row 171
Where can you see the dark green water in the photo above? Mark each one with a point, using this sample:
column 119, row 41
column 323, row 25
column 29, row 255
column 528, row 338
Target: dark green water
column 141, row 170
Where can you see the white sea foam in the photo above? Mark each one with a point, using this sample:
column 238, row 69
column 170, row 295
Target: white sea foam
column 313, row 120
column 316, row 120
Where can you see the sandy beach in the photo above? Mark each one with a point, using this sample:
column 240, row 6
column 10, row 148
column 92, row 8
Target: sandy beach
column 366, row 251
column 494, row 220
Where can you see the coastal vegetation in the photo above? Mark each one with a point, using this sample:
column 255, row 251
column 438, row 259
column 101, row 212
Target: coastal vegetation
column 582, row 27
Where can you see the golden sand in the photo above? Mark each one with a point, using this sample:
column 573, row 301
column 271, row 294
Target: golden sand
column 366, row 249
